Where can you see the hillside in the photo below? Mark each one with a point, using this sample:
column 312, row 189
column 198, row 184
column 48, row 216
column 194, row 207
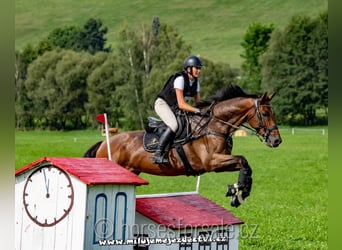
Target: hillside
column 213, row 28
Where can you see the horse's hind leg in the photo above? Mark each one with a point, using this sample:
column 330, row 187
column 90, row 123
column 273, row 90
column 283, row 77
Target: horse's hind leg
column 242, row 189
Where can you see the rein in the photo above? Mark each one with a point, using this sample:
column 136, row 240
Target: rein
column 254, row 131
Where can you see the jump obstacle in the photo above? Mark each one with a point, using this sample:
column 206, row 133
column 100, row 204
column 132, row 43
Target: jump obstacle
column 91, row 203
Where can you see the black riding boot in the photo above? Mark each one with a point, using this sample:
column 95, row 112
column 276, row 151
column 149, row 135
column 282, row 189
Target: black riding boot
column 164, row 140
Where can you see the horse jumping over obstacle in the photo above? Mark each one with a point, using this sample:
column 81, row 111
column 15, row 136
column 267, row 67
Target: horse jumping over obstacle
column 208, row 145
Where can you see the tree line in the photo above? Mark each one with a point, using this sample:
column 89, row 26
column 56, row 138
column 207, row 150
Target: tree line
column 70, row 76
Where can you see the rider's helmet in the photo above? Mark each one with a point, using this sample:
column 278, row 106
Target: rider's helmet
column 192, row 61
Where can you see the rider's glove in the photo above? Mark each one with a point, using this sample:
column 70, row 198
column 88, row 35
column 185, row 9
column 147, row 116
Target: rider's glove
column 205, row 112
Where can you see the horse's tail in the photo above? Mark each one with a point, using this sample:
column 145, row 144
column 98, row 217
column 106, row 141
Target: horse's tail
column 91, row 152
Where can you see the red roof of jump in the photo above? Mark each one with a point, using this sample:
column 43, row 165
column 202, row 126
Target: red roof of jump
column 90, row 170
column 183, row 211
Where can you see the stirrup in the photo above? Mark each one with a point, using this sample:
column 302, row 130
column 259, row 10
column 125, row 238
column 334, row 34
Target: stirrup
column 160, row 159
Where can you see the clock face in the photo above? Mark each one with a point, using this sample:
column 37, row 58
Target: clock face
column 48, row 195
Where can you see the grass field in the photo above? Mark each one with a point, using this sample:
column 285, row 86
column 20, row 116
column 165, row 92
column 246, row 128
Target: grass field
column 213, row 28
column 288, row 205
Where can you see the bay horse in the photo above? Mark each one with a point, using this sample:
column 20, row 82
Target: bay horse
column 209, row 144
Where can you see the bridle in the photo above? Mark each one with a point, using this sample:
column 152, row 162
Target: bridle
column 267, row 131
column 254, row 131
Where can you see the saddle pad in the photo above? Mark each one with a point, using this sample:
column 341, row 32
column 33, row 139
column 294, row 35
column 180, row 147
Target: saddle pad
column 150, row 142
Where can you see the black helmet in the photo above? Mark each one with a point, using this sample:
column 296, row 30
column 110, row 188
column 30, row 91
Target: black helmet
column 192, row 61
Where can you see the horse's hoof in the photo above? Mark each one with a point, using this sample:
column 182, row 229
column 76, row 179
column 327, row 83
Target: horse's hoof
column 235, row 201
column 232, row 190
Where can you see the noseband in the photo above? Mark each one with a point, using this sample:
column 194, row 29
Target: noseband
column 267, row 131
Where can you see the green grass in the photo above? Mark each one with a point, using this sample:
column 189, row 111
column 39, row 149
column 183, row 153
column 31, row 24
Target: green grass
column 287, row 208
column 213, row 28
column 30, row 146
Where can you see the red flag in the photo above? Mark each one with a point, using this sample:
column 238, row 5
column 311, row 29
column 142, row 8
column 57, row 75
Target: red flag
column 101, row 118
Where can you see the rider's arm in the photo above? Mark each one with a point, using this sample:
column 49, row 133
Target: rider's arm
column 197, row 97
column 182, row 104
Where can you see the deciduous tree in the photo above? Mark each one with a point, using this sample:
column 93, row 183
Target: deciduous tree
column 296, row 67
column 255, row 43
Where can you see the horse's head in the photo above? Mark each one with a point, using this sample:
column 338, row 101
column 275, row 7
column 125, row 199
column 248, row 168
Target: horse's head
column 263, row 120
column 232, row 107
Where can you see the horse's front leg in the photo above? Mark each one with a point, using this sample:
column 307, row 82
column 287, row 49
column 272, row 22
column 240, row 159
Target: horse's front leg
column 241, row 190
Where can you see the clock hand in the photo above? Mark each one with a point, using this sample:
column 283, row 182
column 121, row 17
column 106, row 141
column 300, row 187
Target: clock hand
column 47, row 182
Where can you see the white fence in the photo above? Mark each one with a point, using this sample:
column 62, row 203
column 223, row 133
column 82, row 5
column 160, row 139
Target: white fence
column 294, row 131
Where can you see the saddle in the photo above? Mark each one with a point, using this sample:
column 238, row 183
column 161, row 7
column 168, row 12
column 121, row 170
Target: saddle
column 156, row 127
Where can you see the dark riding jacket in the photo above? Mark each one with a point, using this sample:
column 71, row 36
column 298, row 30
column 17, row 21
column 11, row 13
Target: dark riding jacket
column 168, row 93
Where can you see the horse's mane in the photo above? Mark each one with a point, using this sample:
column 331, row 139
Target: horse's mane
column 228, row 92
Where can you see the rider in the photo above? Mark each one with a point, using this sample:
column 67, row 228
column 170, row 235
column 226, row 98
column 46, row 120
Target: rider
column 176, row 91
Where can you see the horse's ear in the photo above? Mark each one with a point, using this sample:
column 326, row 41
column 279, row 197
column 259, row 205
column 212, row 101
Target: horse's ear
column 271, row 96
column 266, row 98
column 263, row 98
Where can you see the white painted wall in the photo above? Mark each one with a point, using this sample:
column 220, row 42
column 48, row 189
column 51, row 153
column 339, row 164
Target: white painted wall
column 99, row 212
column 110, row 216
column 64, row 235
